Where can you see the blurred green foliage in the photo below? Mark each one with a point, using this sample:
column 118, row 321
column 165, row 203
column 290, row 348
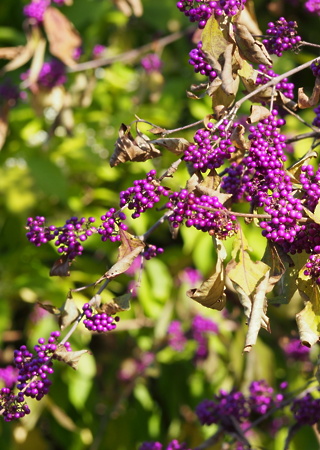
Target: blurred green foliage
column 63, row 172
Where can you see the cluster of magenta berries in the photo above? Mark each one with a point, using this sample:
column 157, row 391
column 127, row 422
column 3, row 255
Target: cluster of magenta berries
column 315, row 67
column 100, row 322
column 306, row 410
column 205, row 213
column 316, row 120
column 151, row 251
column 282, row 36
column 173, row 445
column 12, row 405
column 201, row 10
column 312, row 267
column 112, row 222
column 142, row 195
column 36, row 9
column 200, row 64
column 311, row 186
column 211, row 148
column 266, row 74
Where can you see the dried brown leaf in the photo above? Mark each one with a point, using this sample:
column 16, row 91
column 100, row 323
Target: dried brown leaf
column 258, row 113
column 61, row 267
column 157, row 130
column 63, row 38
column 69, row 312
column 275, row 259
column 221, row 101
column 129, row 249
column 70, row 358
column 118, row 304
column 10, row 52
column 309, row 102
column 228, row 85
column 174, row 145
column 36, row 64
column 237, row 138
column 294, row 171
column 50, row 308
column 129, row 7
column 129, row 149
column 249, row 48
column 248, row 18
column 211, row 292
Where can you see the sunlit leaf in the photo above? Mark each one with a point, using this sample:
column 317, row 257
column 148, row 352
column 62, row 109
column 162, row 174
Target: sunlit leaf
column 69, row 313
column 70, row 358
column 250, row 48
column 257, row 113
column 308, row 320
column 309, row 102
column 294, row 171
column 174, row 145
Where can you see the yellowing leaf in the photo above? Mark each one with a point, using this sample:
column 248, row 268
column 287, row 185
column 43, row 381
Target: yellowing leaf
column 70, row 358
column 214, row 37
column 69, row 312
column 246, row 273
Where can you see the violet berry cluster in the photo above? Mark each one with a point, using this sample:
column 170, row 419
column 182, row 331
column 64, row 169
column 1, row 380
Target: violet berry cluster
column 36, row 9
column 52, row 73
column 151, row 63
column 100, row 322
column 211, row 148
column 266, row 74
column 306, row 410
column 173, row 445
column 201, row 10
column 315, row 67
column 33, row 376
column 204, row 213
column 283, row 36
column 200, row 64
column 296, row 351
column 143, row 195
column 313, row 6
column 316, row 120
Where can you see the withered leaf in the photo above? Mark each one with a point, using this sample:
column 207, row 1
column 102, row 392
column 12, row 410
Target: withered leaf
column 63, row 38
column 258, row 317
column 308, row 320
column 258, row 113
column 215, row 38
column 222, row 101
column 70, row 358
column 129, row 249
column 249, row 48
column 69, row 312
column 36, row 64
column 10, row 52
column 118, row 304
column 248, row 18
column 129, row 7
column 128, row 148
column 237, row 138
column 157, row 130
column 211, row 292
column 309, row 102
column 50, row 308
column 275, row 259
column 228, row 85
column 4, row 111
column 174, row 145
column 61, row 267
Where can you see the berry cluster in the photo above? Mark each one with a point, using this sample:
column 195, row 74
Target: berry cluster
column 151, row 63
column 212, row 146
column 151, row 251
column 52, row 73
column 176, row 336
column 312, row 267
column 98, row 50
column 112, row 222
column 199, row 63
column 223, row 406
column 173, row 445
column 306, row 410
column 310, row 186
column 9, row 93
column 32, row 379
column 36, row 9
column 204, row 213
column 261, row 398
column 201, row 10
column 313, row 6
column 200, row 329
column 142, row 195
column 100, row 323
column 296, row 351
column 316, row 120
column 9, row 376
column 283, row 37
column 266, row 74
column 315, row 67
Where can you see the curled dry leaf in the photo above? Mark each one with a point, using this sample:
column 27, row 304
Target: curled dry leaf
column 275, row 258
column 294, row 171
column 129, row 249
column 63, row 38
column 174, row 145
column 70, row 358
column 10, row 52
column 157, row 130
column 129, row 7
column 211, row 292
column 118, row 304
column 49, row 308
column 249, row 48
column 248, row 18
column 238, row 140
column 61, row 267
column 222, row 101
column 4, row 112
column 258, row 316
column 309, row 102
column 257, row 113
column 36, row 64
column 128, row 148
column 69, row 312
